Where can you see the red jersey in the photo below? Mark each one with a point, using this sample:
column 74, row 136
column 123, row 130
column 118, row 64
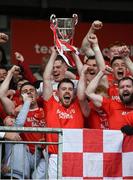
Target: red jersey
column 97, row 119
column 35, row 118
column 58, row 116
column 116, row 111
column 128, row 118
column 114, row 93
column 111, row 79
column 2, row 114
column 17, row 99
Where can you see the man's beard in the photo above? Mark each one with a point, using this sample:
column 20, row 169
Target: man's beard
column 127, row 101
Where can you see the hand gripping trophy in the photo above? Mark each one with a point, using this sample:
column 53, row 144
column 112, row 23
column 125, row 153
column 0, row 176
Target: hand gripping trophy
column 63, row 31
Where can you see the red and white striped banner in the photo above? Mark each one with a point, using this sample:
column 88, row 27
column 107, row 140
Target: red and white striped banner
column 97, row 154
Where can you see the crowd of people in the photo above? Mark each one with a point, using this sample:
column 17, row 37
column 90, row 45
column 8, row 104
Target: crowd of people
column 98, row 96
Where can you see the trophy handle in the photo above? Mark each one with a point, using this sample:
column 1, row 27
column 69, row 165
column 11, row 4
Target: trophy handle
column 75, row 19
column 53, row 19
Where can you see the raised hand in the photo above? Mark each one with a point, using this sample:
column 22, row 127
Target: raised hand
column 107, row 70
column 53, row 49
column 123, row 51
column 92, row 38
column 14, row 68
column 85, row 69
column 96, row 25
column 3, row 38
column 26, row 97
column 19, row 57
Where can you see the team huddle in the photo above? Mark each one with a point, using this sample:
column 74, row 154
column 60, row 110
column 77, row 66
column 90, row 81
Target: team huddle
column 99, row 95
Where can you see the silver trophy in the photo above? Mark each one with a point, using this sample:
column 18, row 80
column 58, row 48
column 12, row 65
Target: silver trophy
column 64, row 29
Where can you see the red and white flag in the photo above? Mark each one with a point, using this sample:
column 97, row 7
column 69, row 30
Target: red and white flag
column 97, row 154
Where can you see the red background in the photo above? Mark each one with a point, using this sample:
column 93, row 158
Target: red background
column 25, row 34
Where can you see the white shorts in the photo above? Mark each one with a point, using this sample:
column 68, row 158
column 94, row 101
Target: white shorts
column 52, row 168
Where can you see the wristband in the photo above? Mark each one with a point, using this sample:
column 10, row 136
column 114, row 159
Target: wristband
column 96, row 48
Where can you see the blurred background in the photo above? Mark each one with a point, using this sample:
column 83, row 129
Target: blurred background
column 106, row 10
column 88, row 10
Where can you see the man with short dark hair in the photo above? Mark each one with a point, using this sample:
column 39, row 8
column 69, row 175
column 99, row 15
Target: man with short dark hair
column 57, row 70
column 114, row 109
column 64, row 113
column 122, row 66
column 34, row 117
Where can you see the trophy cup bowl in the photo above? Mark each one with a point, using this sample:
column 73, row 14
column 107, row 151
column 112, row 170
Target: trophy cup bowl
column 65, row 28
